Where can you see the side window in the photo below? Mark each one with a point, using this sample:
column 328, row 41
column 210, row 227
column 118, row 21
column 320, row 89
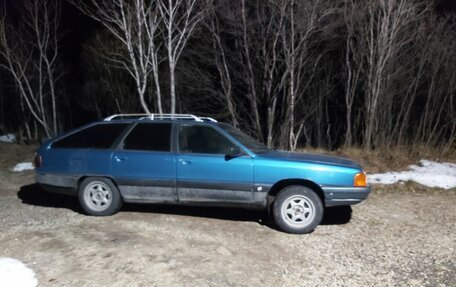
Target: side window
column 100, row 136
column 149, row 137
column 203, row 139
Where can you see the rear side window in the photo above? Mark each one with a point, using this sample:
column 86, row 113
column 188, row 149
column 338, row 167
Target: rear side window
column 99, row 136
column 149, row 137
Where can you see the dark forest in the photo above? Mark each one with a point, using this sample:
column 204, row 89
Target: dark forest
column 374, row 74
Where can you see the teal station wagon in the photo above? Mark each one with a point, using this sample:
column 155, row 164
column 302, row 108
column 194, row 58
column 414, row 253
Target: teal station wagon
column 185, row 159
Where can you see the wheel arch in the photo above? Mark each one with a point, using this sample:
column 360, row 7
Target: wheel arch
column 278, row 186
column 82, row 178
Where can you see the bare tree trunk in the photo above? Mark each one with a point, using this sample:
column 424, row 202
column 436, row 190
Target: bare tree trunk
column 252, row 95
column 180, row 18
column 352, row 74
column 291, row 101
column 222, row 68
column 172, row 83
column 385, row 42
column 301, row 63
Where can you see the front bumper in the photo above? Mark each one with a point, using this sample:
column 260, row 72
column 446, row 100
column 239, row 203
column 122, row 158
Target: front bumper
column 335, row 196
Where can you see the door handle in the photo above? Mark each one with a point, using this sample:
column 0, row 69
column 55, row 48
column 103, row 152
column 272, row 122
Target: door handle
column 119, row 159
column 185, row 162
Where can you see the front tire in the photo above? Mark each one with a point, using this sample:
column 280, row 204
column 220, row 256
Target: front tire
column 99, row 196
column 297, row 209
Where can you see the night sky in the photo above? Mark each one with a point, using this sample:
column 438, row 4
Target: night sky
column 77, row 26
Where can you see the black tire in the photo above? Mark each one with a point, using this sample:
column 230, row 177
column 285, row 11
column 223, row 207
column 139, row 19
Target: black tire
column 99, row 196
column 297, row 209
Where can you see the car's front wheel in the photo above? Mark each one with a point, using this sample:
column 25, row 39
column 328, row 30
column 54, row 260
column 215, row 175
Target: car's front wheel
column 99, row 196
column 297, row 209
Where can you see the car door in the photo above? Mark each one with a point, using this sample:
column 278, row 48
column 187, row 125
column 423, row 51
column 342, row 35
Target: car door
column 144, row 166
column 205, row 173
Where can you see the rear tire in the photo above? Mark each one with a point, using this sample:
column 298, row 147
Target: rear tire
column 99, row 196
column 297, row 209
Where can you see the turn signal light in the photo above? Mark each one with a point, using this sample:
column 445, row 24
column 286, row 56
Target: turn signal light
column 360, row 179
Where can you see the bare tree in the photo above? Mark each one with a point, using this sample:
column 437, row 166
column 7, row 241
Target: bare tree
column 221, row 63
column 105, row 87
column 180, row 18
column 270, row 55
column 437, row 121
column 135, row 25
column 30, row 53
column 385, row 39
column 303, row 20
column 353, row 68
column 250, row 76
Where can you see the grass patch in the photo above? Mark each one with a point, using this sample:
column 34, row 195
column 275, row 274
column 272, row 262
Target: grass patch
column 411, row 187
column 11, row 154
column 378, row 161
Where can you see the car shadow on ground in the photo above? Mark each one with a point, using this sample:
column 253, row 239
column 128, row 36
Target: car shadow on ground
column 333, row 215
column 33, row 194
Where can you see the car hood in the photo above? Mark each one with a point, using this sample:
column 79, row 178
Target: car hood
column 310, row 157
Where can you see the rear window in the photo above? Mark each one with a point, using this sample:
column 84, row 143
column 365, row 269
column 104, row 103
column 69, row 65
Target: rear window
column 99, row 136
column 149, row 137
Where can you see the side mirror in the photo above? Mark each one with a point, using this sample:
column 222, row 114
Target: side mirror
column 233, row 152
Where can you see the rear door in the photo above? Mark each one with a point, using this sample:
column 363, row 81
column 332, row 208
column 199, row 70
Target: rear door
column 144, row 166
column 205, row 173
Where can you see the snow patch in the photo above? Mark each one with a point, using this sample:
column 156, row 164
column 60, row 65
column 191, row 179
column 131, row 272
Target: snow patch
column 428, row 173
column 15, row 273
column 23, row 166
column 8, row 138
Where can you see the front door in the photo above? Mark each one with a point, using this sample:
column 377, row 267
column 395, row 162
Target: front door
column 205, row 173
column 145, row 167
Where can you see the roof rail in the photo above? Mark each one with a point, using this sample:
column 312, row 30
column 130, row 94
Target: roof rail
column 161, row 117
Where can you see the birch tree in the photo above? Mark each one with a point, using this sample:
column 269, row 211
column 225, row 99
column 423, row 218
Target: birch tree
column 30, row 54
column 222, row 65
column 180, row 18
column 135, row 24
column 105, row 87
column 303, row 22
column 353, row 69
column 384, row 40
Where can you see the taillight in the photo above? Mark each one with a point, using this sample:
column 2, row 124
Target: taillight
column 37, row 161
column 360, row 179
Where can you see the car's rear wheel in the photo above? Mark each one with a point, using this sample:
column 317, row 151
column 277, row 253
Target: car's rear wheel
column 99, row 196
column 297, row 209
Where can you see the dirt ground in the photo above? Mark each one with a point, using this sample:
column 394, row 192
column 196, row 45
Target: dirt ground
column 400, row 236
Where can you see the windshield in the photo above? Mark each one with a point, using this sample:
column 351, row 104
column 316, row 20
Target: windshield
column 244, row 139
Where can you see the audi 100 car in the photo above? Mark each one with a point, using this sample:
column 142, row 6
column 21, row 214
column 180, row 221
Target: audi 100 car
column 185, row 159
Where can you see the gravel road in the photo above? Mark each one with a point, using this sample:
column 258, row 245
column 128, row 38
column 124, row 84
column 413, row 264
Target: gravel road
column 395, row 238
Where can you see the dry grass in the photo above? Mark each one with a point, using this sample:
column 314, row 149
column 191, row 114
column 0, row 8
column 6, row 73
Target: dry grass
column 10, row 155
column 411, row 187
column 13, row 153
column 387, row 160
